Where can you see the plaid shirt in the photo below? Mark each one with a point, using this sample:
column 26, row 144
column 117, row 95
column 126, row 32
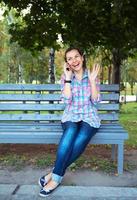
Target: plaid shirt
column 81, row 105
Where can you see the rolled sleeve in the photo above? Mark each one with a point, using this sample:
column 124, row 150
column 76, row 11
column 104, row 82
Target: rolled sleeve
column 64, row 99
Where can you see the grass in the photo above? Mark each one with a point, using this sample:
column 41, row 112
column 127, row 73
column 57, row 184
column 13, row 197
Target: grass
column 98, row 164
column 45, row 161
column 94, row 163
column 15, row 161
column 128, row 118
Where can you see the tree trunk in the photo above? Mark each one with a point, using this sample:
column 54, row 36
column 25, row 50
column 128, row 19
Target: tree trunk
column 51, row 66
column 102, row 76
column 51, row 72
column 116, row 60
column 109, row 74
column 132, row 93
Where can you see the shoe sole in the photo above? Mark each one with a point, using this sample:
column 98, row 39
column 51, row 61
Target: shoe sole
column 45, row 195
column 42, row 195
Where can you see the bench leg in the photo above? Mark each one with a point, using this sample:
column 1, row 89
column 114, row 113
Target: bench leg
column 113, row 151
column 120, row 158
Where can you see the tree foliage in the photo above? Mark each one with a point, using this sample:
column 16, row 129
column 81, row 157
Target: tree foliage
column 88, row 23
column 111, row 23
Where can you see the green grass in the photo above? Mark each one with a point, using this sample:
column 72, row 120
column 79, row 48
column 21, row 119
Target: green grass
column 95, row 163
column 44, row 161
column 128, row 118
column 13, row 160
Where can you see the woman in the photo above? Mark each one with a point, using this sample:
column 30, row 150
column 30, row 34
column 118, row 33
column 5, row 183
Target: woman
column 80, row 121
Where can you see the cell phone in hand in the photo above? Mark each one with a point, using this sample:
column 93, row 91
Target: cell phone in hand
column 67, row 69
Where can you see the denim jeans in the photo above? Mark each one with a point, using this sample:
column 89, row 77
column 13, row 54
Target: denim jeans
column 75, row 137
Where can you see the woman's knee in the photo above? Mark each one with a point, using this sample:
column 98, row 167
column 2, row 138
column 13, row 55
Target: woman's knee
column 87, row 129
column 69, row 125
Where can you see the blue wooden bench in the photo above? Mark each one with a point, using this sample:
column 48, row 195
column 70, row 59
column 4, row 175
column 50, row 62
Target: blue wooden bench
column 32, row 113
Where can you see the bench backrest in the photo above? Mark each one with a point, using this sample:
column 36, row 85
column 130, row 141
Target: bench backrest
column 30, row 102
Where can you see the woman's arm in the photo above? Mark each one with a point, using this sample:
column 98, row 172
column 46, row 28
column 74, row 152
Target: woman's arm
column 95, row 92
column 67, row 90
column 65, row 86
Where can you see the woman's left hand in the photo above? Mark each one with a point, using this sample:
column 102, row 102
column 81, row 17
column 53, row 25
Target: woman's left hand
column 94, row 73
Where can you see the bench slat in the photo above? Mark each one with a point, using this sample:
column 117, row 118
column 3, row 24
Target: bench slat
column 55, row 125
column 43, row 117
column 47, row 135
column 48, row 87
column 46, row 130
column 48, row 97
column 53, row 140
column 42, row 107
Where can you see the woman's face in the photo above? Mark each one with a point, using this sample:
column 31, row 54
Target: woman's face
column 75, row 60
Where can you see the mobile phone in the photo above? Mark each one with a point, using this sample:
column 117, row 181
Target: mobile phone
column 67, row 69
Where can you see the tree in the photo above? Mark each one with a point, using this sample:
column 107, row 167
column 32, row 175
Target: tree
column 110, row 24
column 88, row 23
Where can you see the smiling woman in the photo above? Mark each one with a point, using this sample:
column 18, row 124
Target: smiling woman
column 80, row 120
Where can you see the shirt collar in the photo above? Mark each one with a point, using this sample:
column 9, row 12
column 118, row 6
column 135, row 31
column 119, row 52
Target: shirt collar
column 85, row 74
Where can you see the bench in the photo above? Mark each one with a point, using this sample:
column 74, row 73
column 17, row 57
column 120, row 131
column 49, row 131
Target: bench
column 31, row 114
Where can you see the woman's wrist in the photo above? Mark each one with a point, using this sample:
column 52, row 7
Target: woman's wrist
column 68, row 77
column 92, row 82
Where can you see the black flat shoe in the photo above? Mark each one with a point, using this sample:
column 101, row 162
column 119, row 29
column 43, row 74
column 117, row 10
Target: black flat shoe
column 45, row 192
column 42, row 181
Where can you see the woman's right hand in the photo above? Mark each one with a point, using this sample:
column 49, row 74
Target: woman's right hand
column 67, row 71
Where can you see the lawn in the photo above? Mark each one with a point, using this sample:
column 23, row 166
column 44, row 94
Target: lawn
column 128, row 118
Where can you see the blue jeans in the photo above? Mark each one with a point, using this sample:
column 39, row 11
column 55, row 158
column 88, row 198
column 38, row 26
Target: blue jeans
column 75, row 137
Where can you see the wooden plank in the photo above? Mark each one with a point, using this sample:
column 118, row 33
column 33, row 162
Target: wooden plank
column 29, row 97
column 44, row 117
column 109, row 88
column 48, row 87
column 50, row 126
column 36, row 140
column 31, row 107
column 30, row 87
column 48, row 97
column 43, row 107
column 108, row 106
column 53, row 124
column 55, row 135
column 51, row 130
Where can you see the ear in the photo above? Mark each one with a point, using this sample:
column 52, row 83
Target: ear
column 82, row 57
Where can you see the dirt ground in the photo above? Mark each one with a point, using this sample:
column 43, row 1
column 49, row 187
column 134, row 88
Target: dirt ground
column 32, row 150
column 29, row 174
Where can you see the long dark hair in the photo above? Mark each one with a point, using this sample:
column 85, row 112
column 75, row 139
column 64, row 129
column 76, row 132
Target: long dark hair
column 80, row 52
